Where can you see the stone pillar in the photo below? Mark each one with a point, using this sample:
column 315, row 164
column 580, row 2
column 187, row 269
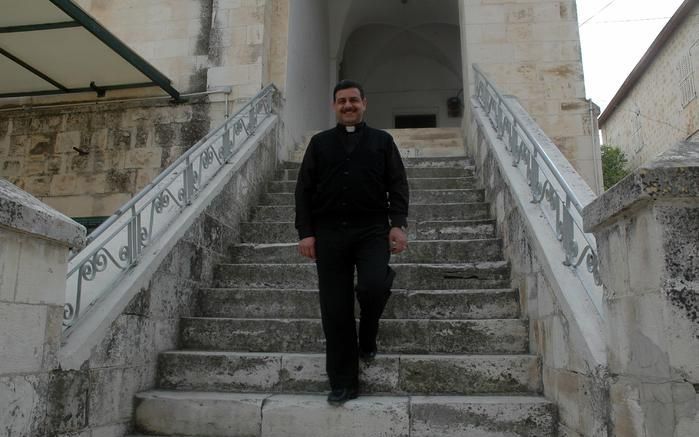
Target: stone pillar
column 34, row 242
column 647, row 230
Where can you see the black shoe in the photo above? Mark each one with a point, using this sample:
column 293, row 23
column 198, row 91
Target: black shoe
column 367, row 357
column 342, row 395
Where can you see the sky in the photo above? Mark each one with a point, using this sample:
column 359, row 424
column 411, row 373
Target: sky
column 615, row 34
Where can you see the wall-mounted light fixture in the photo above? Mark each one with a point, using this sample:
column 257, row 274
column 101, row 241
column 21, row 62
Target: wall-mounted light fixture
column 455, row 105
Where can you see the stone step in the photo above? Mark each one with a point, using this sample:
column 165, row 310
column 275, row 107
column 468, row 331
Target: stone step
column 447, row 251
column 416, row 197
column 215, row 414
column 432, row 162
column 414, row 183
column 422, row 304
column 421, row 212
column 412, row 172
column 482, row 275
column 305, row 373
column 284, row 232
column 409, row 336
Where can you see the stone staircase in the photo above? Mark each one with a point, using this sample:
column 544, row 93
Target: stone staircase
column 453, row 350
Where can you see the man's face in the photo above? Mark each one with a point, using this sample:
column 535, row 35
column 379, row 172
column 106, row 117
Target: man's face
column 349, row 106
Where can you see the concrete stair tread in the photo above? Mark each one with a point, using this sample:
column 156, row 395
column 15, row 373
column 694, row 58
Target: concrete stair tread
column 303, row 415
column 389, row 373
column 479, row 274
column 415, row 336
column 430, row 304
column 419, row 251
column 449, row 399
column 480, row 264
column 433, row 356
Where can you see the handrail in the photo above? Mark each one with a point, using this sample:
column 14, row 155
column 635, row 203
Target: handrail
column 565, row 213
column 549, row 163
column 118, row 244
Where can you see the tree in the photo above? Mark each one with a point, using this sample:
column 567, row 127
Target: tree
column 613, row 165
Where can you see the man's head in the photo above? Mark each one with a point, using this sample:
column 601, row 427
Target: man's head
column 349, row 102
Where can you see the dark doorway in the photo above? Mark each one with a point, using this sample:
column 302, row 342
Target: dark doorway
column 415, row 121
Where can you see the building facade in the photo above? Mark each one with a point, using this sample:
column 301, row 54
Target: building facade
column 86, row 156
column 657, row 105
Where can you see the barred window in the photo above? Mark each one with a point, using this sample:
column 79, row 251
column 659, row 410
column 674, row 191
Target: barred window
column 685, row 71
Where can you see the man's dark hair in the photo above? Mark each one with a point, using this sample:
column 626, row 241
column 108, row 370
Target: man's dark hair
column 347, row 84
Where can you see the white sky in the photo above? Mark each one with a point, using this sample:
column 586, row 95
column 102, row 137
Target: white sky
column 615, row 38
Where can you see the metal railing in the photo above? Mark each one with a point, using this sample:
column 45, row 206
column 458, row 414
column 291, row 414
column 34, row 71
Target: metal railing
column 564, row 211
column 119, row 243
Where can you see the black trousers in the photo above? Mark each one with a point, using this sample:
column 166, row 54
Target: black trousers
column 339, row 250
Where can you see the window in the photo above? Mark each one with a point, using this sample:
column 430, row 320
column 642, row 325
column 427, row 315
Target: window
column 685, row 71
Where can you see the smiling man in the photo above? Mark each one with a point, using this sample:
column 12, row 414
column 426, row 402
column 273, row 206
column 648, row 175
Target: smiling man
column 351, row 212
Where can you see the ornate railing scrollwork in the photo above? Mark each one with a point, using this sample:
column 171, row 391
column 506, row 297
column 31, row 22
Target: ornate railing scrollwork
column 563, row 210
column 94, row 271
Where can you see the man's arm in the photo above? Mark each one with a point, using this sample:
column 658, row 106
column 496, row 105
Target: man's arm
column 305, row 187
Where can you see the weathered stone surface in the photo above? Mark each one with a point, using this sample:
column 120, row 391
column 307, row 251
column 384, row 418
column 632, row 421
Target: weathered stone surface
column 408, row 276
column 445, row 183
column 432, row 212
column 417, row 197
column 23, row 400
column 284, row 232
column 395, row 335
column 431, row 304
column 192, row 413
column 464, row 374
column 418, row 251
column 311, row 416
column 482, row 417
column 19, row 210
column 453, row 230
column 412, row 172
column 674, row 174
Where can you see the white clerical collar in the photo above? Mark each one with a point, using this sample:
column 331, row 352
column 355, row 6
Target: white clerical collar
column 350, row 129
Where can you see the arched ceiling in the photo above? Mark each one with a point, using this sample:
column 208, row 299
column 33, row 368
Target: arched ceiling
column 371, row 45
column 346, row 16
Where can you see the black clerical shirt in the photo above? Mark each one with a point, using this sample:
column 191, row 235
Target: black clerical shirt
column 351, row 178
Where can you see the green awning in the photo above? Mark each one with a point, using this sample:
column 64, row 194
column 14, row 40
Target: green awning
column 54, row 47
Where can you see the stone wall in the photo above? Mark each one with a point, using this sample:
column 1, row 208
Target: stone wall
column 532, row 50
column 646, row 228
column 120, row 149
column 94, row 393
column 654, row 114
column 34, row 243
column 201, row 45
column 565, row 327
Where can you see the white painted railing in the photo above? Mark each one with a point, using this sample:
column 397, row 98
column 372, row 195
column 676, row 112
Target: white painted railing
column 117, row 245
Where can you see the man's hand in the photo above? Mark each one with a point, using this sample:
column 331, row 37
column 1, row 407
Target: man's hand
column 397, row 240
column 307, row 247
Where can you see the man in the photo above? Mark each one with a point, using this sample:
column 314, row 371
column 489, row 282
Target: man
column 351, row 211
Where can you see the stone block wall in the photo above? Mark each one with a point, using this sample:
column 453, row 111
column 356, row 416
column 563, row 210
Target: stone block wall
column 570, row 345
column 96, row 396
column 532, row 50
column 654, row 115
column 646, row 228
column 34, row 243
column 199, row 44
column 120, row 149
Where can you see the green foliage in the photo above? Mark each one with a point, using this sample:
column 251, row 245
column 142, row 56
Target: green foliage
column 613, row 165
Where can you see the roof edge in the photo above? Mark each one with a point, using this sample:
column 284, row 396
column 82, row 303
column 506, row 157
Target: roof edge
column 675, row 21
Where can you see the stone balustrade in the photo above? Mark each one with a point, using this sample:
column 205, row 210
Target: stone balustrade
column 647, row 231
column 34, row 245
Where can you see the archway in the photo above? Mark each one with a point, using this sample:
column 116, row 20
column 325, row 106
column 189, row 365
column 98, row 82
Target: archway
column 406, row 53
